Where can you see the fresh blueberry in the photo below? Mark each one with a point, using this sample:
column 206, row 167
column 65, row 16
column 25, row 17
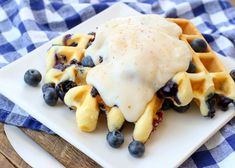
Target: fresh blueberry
column 232, row 74
column 115, row 139
column 167, row 104
column 199, row 45
column 211, row 101
column 87, row 62
column 50, row 96
column 170, row 89
column 181, row 109
column 63, row 87
column 32, row 77
column 191, row 68
column 47, row 85
column 94, row 92
column 136, row 148
column 223, row 102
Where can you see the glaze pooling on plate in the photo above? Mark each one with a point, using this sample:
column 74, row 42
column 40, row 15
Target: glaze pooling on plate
column 140, row 54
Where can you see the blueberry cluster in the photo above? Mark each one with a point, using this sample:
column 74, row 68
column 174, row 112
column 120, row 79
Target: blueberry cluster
column 115, row 139
column 63, row 87
column 169, row 90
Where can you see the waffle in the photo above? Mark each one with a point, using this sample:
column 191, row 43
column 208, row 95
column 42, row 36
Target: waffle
column 210, row 78
column 68, row 49
column 64, row 57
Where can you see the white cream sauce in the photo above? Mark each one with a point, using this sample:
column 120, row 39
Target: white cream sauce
column 140, row 54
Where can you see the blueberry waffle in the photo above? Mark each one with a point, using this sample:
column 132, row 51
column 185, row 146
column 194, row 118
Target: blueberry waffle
column 205, row 81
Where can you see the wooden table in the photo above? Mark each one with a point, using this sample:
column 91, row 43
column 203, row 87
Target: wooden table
column 64, row 152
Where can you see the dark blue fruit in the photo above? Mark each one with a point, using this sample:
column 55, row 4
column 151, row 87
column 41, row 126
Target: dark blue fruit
column 46, row 86
column 73, row 44
column 167, row 104
column 223, row 102
column 232, row 74
column 169, row 90
column 63, row 87
column 75, row 62
column 181, row 109
column 199, row 45
column 211, row 101
column 66, row 38
column 60, row 66
column 115, row 139
column 191, row 68
column 94, row 92
column 50, row 96
column 87, row 62
column 136, row 149
column 32, row 77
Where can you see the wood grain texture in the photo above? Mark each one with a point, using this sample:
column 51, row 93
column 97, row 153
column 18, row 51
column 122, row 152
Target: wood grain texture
column 8, row 154
column 5, row 162
column 65, row 153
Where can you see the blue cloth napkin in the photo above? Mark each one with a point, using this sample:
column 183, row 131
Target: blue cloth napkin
column 25, row 25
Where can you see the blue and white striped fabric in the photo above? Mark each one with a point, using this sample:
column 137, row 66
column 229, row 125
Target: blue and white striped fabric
column 25, row 25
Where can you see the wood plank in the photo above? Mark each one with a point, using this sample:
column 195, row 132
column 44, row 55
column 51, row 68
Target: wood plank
column 64, row 152
column 5, row 163
column 8, row 152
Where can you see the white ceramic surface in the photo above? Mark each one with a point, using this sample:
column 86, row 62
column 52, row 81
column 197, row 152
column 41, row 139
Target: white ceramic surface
column 29, row 150
column 174, row 140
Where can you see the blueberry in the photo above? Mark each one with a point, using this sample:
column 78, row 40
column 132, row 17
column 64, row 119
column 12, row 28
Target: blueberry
column 94, row 92
column 60, row 66
column 50, row 96
column 60, row 59
column 191, row 68
column 167, row 104
column 75, row 62
column 100, row 59
column 47, row 85
column 170, row 89
column 115, row 139
column 223, row 102
column 63, row 87
column 66, row 38
column 181, row 109
column 232, row 74
column 73, row 44
column 87, row 62
column 136, row 148
column 92, row 33
column 32, row 77
column 211, row 101
column 199, row 45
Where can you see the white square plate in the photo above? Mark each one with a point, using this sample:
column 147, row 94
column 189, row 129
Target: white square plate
column 177, row 137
